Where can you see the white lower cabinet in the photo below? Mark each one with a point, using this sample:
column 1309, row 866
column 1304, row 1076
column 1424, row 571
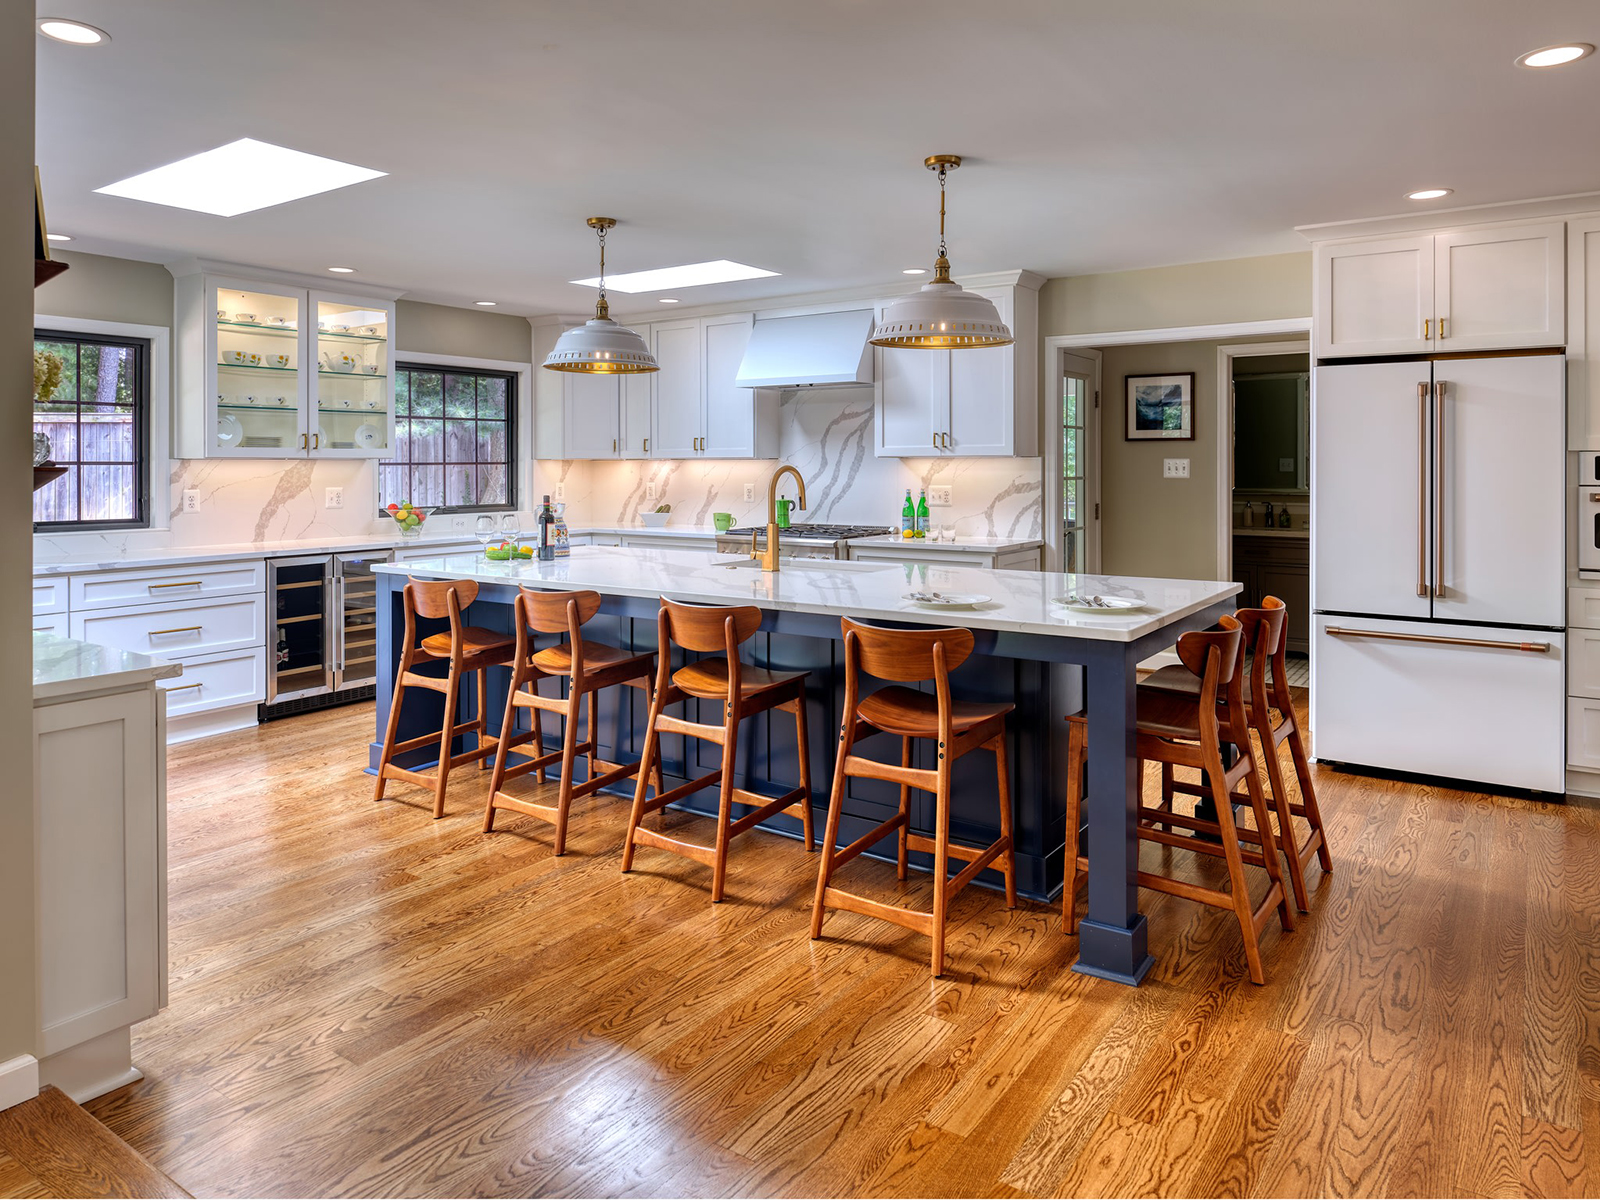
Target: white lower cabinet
column 100, row 812
column 211, row 681
column 1583, row 734
column 667, row 541
column 1391, row 695
column 1583, row 690
column 991, row 560
column 57, row 623
column 176, row 631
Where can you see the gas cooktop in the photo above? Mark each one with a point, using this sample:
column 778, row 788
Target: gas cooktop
column 815, row 533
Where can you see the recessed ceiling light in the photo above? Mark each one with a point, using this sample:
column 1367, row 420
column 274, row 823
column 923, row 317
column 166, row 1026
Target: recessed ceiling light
column 668, row 300
column 343, row 270
column 690, row 275
column 1555, row 56
column 485, row 303
column 238, row 178
column 1429, row 193
column 74, row 33
column 915, row 271
column 59, row 237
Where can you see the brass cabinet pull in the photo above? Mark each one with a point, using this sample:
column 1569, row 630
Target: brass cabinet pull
column 647, row 445
column 1422, row 489
column 1438, row 489
column 1441, row 329
column 303, row 440
column 185, row 687
column 316, row 440
column 186, row 583
column 935, row 441
column 180, row 629
column 1426, row 326
column 944, row 440
column 1435, row 639
column 613, row 445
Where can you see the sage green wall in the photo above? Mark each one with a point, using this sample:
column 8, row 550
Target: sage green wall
column 18, row 1018
column 439, row 329
column 1208, row 293
column 100, row 288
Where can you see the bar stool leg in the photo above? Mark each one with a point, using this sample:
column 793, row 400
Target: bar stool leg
column 652, row 755
column 1076, row 754
column 590, row 732
column 905, row 810
column 1286, row 834
column 1009, row 863
column 1236, row 883
column 481, row 725
column 941, row 864
column 719, row 866
column 830, row 837
column 391, row 729
column 452, row 699
column 497, row 777
column 1269, row 844
column 803, row 751
column 569, row 742
column 1308, row 795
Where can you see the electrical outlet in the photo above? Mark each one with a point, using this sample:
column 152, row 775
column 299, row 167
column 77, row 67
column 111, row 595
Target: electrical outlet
column 560, row 493
column 191, row 500
column 651, row 491
column 333, row 497
column 1175, row 468
column 939, row 496
column 1286, row 465
column 458, row 522
column 749, row 493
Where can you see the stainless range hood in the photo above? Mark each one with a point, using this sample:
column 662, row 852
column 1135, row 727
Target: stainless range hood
column 816, row 350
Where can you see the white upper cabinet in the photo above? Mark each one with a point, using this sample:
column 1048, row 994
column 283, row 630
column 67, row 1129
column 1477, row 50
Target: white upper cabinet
column 1490, row 287
column 636, row 393
column 679, row 397
column 729, row 429
column 270, row 370
column 1375, row 297
column 593, row 414
column 1500, row 287
column 964, row 403
column 1583, row 328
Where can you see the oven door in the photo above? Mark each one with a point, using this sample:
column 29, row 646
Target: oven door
column 1588, row 527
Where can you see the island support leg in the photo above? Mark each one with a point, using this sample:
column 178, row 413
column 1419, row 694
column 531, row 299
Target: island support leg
column 1111, row 938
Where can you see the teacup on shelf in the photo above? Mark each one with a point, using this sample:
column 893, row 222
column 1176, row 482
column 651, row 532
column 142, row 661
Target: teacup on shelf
column 240, row 358
column 369, row 330
column 370, row 368
column 245, row 318
column 279, row 321
column 280, row 361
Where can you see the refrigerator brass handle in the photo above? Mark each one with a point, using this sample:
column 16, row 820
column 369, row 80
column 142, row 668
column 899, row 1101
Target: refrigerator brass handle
column 1422, row 489
column 1435, row 639
column 185, row 583
column 181, row 629
column 1438, row 489
column 184, row 687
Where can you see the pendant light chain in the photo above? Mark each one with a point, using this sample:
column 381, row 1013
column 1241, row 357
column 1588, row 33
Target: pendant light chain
column 601, row 308
column 942, row 253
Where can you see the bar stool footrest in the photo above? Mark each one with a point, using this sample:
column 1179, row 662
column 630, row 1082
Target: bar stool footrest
column 906, row 918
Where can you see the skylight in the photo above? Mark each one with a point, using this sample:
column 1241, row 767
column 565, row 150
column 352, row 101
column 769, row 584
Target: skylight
column 238, row 178
column 692, row 275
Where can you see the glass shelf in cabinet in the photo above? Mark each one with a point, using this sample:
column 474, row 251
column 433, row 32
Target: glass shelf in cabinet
column 273, row 330
column 355, row 412
column 222, row 366
column 350, row 337
column 350, row 375
column 287, row 410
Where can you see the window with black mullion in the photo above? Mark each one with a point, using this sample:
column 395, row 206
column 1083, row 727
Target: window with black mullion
column 97, row 425
column 453, row 440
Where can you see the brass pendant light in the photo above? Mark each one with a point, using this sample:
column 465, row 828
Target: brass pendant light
column 941, row 315
column 600, row 346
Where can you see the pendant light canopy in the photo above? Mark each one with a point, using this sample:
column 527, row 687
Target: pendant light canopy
column 941, row 315
column 600, row 346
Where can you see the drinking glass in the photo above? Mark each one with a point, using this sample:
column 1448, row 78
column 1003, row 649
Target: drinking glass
column 484, row 530
column 511, row 528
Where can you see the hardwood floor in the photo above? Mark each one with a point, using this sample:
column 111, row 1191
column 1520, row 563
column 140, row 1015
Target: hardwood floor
column 368, row 1001
column 50, row 1147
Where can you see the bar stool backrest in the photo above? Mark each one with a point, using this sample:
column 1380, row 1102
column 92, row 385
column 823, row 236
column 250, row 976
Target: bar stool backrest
column 1266, row 629
column 1213, row 655
column 537, row 612
column 905, row 655
column 708, row 630
column 435, row 600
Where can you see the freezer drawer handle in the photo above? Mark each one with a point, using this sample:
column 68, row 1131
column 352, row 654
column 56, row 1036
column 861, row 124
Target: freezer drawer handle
column 1529, row 647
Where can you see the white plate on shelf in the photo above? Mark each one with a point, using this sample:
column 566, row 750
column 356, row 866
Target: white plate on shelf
column 229, row 431
column 932, row 599
column 1107, row 606
column 368, row 436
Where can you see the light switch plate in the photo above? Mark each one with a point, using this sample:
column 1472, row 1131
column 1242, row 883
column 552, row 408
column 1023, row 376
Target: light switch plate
column 1175, row 468
column 749, row 493
column 1286, row 465
column 939, row 496
column 651, row 491
column 191, row 500
column 333, row 497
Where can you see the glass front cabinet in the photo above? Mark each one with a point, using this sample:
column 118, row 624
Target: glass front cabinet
column 267, row 370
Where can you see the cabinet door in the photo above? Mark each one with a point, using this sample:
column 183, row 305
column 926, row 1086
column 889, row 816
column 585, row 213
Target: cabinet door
column 1500, row 288
column 730, row 430
column 351, row 381
column 982, row 385
column 913, row 401
column 258, row 390
column 1292, row 585
column 593, row 414
column 1502, row 523
column 679, row 397
column 635, row 435
column 1375, row 297
column 1583, row 334
column 1369, row 475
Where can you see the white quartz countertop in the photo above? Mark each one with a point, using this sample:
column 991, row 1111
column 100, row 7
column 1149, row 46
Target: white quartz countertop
column 64, row 668
column 983, row 545
column 1017, row 601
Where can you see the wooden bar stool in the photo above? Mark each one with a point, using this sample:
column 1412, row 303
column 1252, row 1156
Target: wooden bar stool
column 743, row 691
column 1189, row 731
column 468, row 650
column 1271, row 715
column 587, row 667
column 913, row 656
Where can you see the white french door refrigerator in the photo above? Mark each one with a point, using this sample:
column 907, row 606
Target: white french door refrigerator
column 1438, row 567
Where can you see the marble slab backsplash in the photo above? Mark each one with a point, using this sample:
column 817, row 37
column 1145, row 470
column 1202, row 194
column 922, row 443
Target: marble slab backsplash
column 828, row 435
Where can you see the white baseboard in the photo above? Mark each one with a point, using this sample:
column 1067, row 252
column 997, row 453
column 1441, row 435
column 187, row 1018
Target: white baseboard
column 19, row 1080
column 193, row 726
column 1583, row 783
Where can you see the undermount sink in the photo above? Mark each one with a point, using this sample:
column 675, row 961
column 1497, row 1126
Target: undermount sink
column 830, row 565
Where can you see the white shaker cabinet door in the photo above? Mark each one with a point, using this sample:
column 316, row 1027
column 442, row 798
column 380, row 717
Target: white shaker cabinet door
column 679, row 412
column 1375, row 297
column 982, row 383
column 1500, row 528
column 593, row 404
column 636, row 389
column 1500, row 287
column 730, row 430
column 1583, row 334
column 914, row 401
column 1370, row 452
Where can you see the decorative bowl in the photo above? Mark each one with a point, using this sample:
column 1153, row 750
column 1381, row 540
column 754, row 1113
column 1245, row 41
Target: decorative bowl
column 653, row 519
column 409, row 518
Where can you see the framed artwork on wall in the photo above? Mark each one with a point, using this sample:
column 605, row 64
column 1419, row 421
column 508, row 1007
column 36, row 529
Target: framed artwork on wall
column 1161, row 407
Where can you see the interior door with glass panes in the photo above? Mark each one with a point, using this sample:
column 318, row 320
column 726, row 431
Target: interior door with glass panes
column 353, row 385
column 258, row 346
column 1080, row 510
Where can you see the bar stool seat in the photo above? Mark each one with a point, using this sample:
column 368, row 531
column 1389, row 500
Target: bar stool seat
column 911, row 713
column 1168, row 715
column 707, row 679
column 475, row 642
column 557, row 660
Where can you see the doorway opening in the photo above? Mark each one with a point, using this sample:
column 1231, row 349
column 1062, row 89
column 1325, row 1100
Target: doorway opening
column 1080, row 463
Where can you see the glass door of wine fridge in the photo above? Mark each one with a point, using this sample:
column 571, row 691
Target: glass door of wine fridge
column 355, row 593
column 297, row 589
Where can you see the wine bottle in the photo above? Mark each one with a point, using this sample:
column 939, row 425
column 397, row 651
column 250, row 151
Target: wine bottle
column 547, row 522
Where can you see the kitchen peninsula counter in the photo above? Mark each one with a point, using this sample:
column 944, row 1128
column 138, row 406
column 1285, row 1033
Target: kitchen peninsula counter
column 1030, row 651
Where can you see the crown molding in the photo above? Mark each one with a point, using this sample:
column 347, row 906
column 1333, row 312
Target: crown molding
column 184, row 267
column 1450, row 218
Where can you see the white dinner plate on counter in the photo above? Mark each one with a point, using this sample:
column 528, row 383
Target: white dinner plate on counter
column 1100, row 605
column 946, row 599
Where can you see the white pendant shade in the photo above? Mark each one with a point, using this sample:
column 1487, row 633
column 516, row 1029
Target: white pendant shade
column 941, row 316
column 601, row 347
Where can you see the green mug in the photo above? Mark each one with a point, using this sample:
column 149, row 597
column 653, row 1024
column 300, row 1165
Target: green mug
column 723, row 521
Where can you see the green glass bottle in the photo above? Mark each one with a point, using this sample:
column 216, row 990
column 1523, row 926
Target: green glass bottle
column 908, row 518
column 922, row 514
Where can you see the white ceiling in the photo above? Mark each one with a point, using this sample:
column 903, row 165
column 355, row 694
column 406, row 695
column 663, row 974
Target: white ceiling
column 1100, row 136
